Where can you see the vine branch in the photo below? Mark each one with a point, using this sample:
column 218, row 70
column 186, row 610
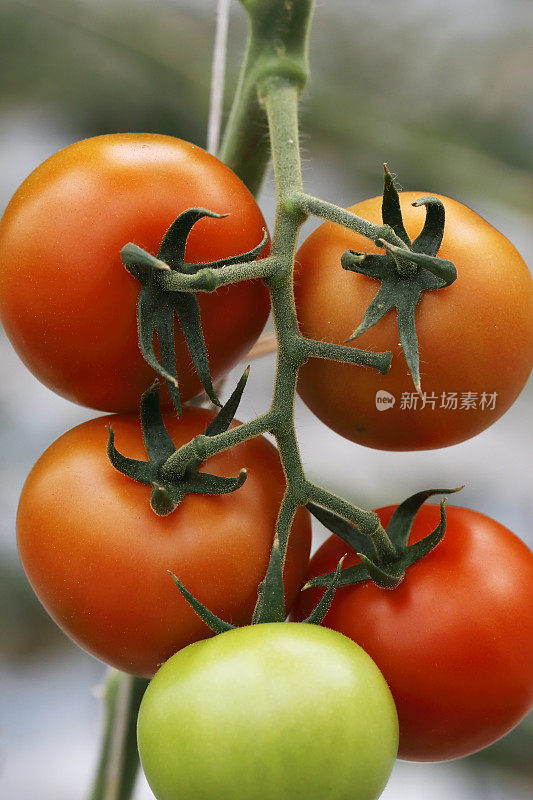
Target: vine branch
column 279, row 98
column 328, row 211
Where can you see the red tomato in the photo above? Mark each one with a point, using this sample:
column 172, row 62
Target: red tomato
column 475, row 337
column 97, row 556
column 454, row 640
column 66, row 300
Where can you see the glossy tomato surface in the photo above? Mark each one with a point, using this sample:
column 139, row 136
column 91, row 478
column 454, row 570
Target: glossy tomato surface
column 67, row 302
column 475, row 337
column 454, row 640
column 279, row 710
column 97, row 556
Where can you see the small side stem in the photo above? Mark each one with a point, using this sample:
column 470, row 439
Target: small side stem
column 367, row 521
column 208, row 280
column 320, row 208
column 348, row 355
column 119, row 761
column 245, row 147
column 204, row 447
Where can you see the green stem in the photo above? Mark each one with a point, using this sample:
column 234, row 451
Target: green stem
column 366, row 521
column 281, row 102
column 287, row 510
column 203, row 447
column 277, row 45
column 339, row 215
column 382, row 235
column 209, row 280
column 245, row 143
column 118, row 763
column 348, row 355
column 280, row 99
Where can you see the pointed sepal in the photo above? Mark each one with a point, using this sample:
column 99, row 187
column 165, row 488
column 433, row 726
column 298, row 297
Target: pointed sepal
column 343, row 529
column 401, row 522
column 385, row 577
column 204, row 483
column 187, row 311
column 138, row 470
column 270, row 606
column 420, row 549
column 140, row 264
column 172, row 248
column 240, row 258
column 155, row 315
column 370, row 264
column 409, row 342
column 321, row 609
column 348, row 577
column 225, row 416
column 216, row 624
column 380, row 305
column 159, row 446
column 429, row 239
column 390, row 207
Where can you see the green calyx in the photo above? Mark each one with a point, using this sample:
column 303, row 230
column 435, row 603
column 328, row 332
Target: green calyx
column 387, row 573
column 159, row 303
column 404, row 272
column 167, row 492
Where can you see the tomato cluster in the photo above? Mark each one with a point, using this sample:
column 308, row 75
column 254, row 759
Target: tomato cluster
column 441, row 665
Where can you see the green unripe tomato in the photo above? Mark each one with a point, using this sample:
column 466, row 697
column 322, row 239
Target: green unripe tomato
column 282, row 710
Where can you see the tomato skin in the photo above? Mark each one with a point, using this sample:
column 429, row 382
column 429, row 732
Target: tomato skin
column 454, row 640
column 66, row 300
column 97, row 556
column 280, row 710
column 474, row 336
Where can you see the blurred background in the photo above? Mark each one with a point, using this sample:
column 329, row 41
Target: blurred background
column 440, row 90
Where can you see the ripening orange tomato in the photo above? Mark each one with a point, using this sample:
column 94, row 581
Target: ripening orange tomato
column 475, row 337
